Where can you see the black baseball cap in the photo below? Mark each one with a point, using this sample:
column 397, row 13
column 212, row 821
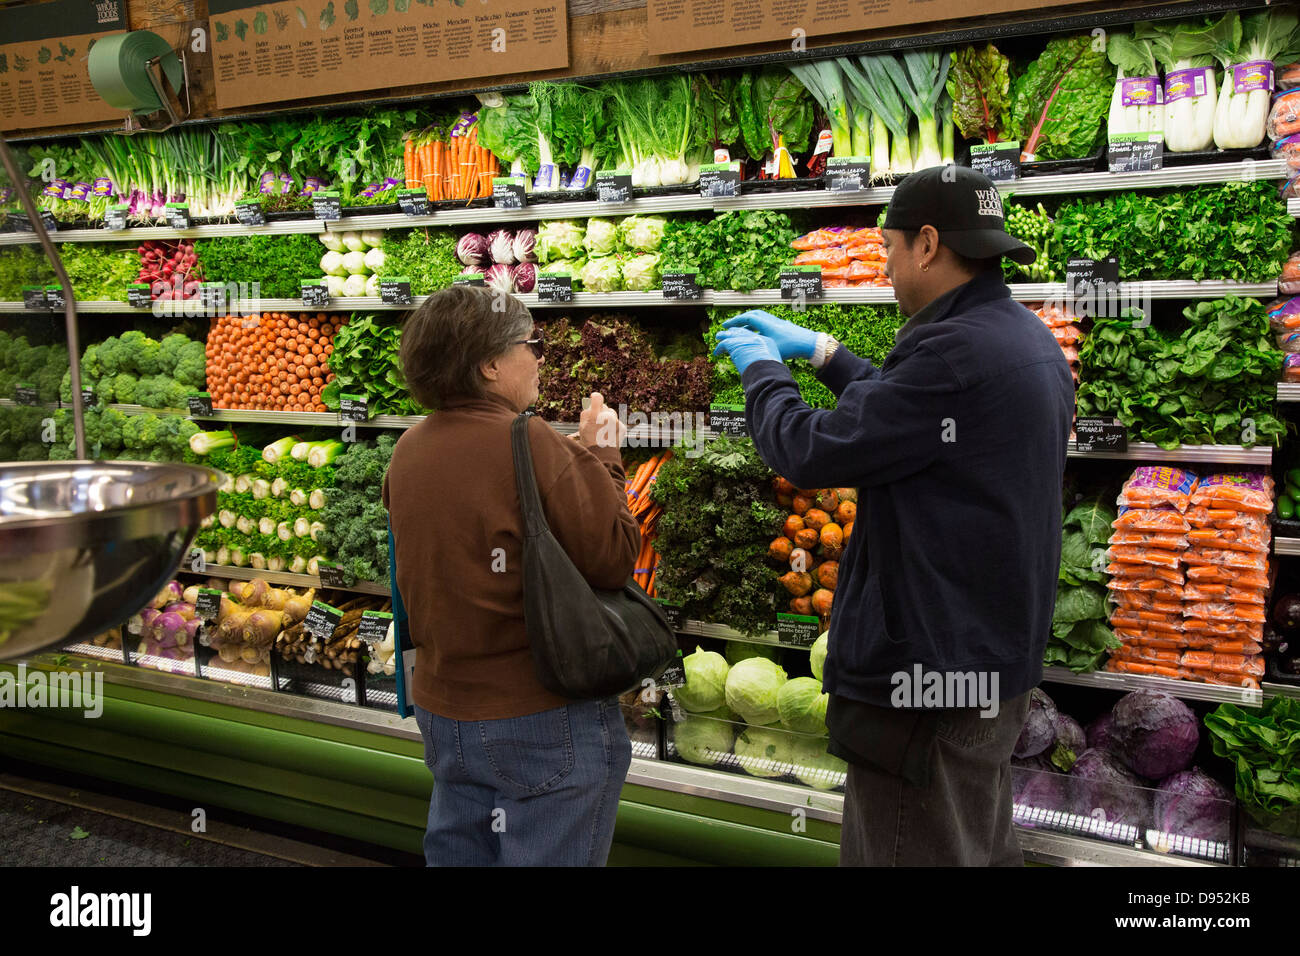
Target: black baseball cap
column 963, row 206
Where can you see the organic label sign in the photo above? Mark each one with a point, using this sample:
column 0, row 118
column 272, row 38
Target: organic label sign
column 1100, row 434
column 249, row 212
column 395, row 291
column 554, row 287
column 727, row 419
column 43, row 48
column 1135, row 152
column 414, row 202
column 321, row 619
column 137, row 296
column 326, row 205
column 614, row 185
column 719, row 180
column 673, row 612
column 353, row 408
column 54, row 297
column 848, row 174
column 509, row 192
column 297, row 49
column 797, row 630
column 115, row 217
column 1000, row 162
column 199, row 404
column 801, row 281
column 315, row 293
column 208, row 604
column 470, row 279
column 373, row 628
column 331, row 575
column 682, row 284
column 178, row 215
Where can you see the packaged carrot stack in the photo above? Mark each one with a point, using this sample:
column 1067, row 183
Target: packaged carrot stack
column 1147, row 582
column 849, row 257
column 1224, row 603
column 1065, row 329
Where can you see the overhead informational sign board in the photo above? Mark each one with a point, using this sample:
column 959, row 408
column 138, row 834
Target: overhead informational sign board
column 43, row 48
column 271, row 51
column 683, row 26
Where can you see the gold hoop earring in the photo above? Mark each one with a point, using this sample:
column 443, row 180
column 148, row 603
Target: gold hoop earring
column 925, row 268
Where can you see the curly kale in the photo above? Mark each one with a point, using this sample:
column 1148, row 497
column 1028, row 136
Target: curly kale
column 356, row 523
column 719, row 518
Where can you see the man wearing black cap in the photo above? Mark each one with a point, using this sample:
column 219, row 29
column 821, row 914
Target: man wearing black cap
column 946, row 587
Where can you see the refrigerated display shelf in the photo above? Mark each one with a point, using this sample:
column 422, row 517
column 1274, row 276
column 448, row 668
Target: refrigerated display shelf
column 1220, row 454
column 280, row 577
column 806, row 198
column 1185, row 689
column 1286, row 545
column 1169, row 847
column 1288, row 392
column 1023, row 292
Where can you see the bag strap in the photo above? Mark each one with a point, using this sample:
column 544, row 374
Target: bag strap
column 530, row 499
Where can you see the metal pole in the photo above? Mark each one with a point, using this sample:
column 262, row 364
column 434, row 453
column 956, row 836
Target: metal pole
column 70, row 304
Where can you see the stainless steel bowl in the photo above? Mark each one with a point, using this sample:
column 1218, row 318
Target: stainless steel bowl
column 84, row 545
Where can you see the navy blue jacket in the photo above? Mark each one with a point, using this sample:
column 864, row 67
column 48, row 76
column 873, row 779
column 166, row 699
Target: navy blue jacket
column 957, row 446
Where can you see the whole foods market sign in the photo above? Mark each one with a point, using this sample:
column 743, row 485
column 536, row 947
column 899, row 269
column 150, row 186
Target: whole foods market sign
column 272, row 51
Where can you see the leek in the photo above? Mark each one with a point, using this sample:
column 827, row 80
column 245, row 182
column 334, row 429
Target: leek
column 278, row 487
column 275, row 563
column 1240, row 119
column 316, row 501
column 298, row 497
column 261, row 489
column 266, row 525
column 920, row 82
column 257, row 561
column 870, row 81
column 825, row 82
column 947, row 130
column 298, row 451
column 244, row 525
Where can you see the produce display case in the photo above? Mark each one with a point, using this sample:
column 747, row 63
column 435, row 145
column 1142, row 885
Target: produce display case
column 1197, row 827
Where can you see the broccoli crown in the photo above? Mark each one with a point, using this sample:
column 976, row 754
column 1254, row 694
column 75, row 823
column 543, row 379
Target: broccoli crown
column 141, row 353
column 140, row 431
column 111, row 355
column 90, row 367
column 192, row 369
column 159, row 391
column 124, row 386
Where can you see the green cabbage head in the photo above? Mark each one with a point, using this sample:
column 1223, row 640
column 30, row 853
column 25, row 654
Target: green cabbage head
column 764, row 753
column 802, row 705
column 817, row 656
column 704, row 739
column 752, row 689
column 814, row 766
column 643, row 233
column 602, row 237
column 706, row 682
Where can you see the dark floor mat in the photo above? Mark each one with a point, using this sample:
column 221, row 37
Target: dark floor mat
column 37, row 832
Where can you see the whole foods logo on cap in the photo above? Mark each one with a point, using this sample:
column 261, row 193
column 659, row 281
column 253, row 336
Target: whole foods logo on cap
column 990, row 202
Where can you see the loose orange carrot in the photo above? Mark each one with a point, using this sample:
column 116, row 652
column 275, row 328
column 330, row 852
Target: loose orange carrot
column 408, row 153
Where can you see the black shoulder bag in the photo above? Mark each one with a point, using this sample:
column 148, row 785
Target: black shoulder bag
column 588, row 644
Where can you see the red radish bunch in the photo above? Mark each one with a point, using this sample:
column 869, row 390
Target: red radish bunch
column 170, row 268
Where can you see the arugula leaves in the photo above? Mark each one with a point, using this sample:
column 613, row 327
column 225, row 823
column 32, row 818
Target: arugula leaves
column 1213, row 383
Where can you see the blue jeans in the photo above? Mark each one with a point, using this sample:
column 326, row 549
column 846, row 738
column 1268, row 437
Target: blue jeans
column 538, row 790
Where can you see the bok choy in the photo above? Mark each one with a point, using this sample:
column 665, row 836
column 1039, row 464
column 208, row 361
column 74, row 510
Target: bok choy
column 1187, row 52
column 1137, row 103
column 1244, row 99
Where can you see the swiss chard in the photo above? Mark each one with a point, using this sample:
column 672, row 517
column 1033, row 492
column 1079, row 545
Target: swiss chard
column 979, row 82
column 1059, row 101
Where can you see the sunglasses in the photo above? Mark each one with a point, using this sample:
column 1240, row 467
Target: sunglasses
column 534, row 344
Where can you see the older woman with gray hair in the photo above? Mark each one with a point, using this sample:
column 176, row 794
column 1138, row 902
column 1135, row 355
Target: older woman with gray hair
column 520, row 776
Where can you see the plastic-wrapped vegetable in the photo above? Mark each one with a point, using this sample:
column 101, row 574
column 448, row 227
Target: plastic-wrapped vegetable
column 525, row 245
column 472, row 249
column 501, row 246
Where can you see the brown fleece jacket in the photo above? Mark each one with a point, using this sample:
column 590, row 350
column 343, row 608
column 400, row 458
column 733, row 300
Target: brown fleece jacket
column 450, row 493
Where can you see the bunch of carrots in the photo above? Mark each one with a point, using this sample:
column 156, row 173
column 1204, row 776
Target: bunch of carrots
column 450, row 165
column 647, row 515
column 270, row 361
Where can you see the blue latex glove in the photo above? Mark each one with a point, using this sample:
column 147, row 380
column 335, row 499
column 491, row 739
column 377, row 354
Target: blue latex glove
column 746, row 347
column 793, row 341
